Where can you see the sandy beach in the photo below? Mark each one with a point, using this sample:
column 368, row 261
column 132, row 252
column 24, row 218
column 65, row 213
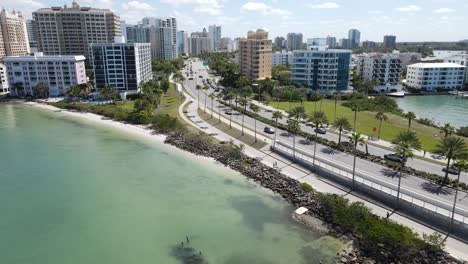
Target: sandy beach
column 137, row 130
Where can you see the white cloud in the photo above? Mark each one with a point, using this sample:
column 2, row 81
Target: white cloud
column 326, row 5
column 25, row 6
column 137, row 5
column 263, row 9
column 409, row 8
column 135, row 10
column 444, row 10
column 374, row 12
column 210, row 7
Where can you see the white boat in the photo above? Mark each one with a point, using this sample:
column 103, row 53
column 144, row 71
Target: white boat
column 397, row 94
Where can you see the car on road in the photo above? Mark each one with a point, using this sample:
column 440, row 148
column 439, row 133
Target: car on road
column 320, row 130
column 393, row 157
column 217, row 90
column 200, row 76
column 191, row 78
column 269, row 130
column 451, row 170
column 228, row 112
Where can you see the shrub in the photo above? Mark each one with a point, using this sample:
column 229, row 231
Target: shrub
column 306, row 187
column 463, row 131
column 142, row 118
column 133, row 96
column 426, row 121
column 166, row 123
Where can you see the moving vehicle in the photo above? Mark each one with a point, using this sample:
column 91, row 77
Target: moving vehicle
column 393, row 157
column 451, row 170
column 191, row 78
column 269, row 130
column 320, row 130
column 228, row 112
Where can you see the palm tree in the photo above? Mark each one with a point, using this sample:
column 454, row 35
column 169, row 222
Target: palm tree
column 18, row 86
column 410, row 116
column 219, row 97
column 453, row 148
column 297, row 113
column 230, row 96
column 447, row 130
column 255, row 109
column 315, row 97
column 205, row 88
column 381, row 117
column 243, row 102
column 303, row 95
column 335, row 98
column 290, row 92
column 198, row 88
column 404, row 143
column 461, row 165
column 355, row 139
column 276, row 115
column 342, row 123
column 293, row 128
column 355, row 108
column 318, row 118
column 212, row 96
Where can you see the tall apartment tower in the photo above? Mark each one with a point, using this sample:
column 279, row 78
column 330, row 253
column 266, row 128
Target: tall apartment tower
column 71, row 30
column 137, row 34
column 32, row 33
column 279, row 42
column 13, row 34
column 389, row 42
column 163, row 39
column 331, row 42
column 294, row 41
column 385, row 69
column 200, row 42
column 214, row 32
column 354, row 37
column 256, row 55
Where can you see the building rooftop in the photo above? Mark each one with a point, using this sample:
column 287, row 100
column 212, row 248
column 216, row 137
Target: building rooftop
column 437, row 65
column 41, row 57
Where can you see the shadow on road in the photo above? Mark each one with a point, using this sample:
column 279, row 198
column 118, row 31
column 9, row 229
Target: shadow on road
column 330, row 151
column 390, row 173
column 436, row 188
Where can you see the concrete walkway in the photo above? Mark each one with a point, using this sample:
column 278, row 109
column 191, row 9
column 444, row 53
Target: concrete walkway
column 454, row 246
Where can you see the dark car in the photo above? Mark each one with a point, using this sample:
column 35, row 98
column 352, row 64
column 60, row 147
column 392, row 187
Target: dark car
column 228, row 112
column 451, row 170
column 200, row 76
column 190, row 78
column 269, row 130
column 393, row 157
column 320, row 130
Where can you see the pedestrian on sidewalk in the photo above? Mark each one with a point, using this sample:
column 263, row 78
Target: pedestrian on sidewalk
column 424, row 155
column 388, row 215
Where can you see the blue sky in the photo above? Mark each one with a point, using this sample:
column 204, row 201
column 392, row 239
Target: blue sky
column 409, row 20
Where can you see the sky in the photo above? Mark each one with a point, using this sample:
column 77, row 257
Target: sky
column 409, row 20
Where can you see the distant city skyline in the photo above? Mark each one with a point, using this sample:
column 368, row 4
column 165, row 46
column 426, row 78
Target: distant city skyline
column 416, row 20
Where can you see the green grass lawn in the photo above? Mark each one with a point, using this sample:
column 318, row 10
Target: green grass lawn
column 170, row 102
column 233, row 132
column 429, row 136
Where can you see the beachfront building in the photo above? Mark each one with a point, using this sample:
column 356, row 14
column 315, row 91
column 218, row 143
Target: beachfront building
column 256, row 55
column 13, row 34
column 71, row 30
column 461, row 59
column 436, row 76
column 283, row 57
column 57, row 72
column 122, row 65
column 321, row 69
column 385, row 69
column 4, row 88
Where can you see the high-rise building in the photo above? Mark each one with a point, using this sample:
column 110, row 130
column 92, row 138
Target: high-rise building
column 294, row 41
column 345, row 43
column 58, row 72
column 279, row 42
column 283, row 57
column 200, row 43
column 367, row 44
column 389, row 42
column 434, row 76
column 385, row 69
column 13, row 34
column 122, row 65
column 256, row 55
column 137, row 34
column 182, row 42
column 4, row 87
column 71, row 30
column 214, row 32
column 123, row 30
column 317, row 42
column 331, row 42
column 32, row 33
column 322, row 70
column 163, row 39
column 354, row 37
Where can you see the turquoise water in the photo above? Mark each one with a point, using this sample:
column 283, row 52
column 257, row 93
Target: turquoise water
column 73, row 192
column 440, row 108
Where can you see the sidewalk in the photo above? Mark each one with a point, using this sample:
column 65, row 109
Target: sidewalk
column 455, row 247
column 377, row 142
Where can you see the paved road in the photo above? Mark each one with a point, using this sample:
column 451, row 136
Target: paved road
column 453, row 246
column 420, row 186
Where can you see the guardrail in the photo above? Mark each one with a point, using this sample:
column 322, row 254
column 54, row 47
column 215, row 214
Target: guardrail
column 388, row 188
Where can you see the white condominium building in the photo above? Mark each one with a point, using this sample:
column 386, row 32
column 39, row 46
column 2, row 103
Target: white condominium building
column 283, row 57
column 122, row 65
column 214, row 32
column 461, row 59
column 56, row 71
column 435, row 76
column 4, row 88
column 163, row 38
column 13, row 34
column 385, row 69
column 71, row 30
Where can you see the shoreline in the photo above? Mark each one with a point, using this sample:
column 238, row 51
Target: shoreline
column 137, row 130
